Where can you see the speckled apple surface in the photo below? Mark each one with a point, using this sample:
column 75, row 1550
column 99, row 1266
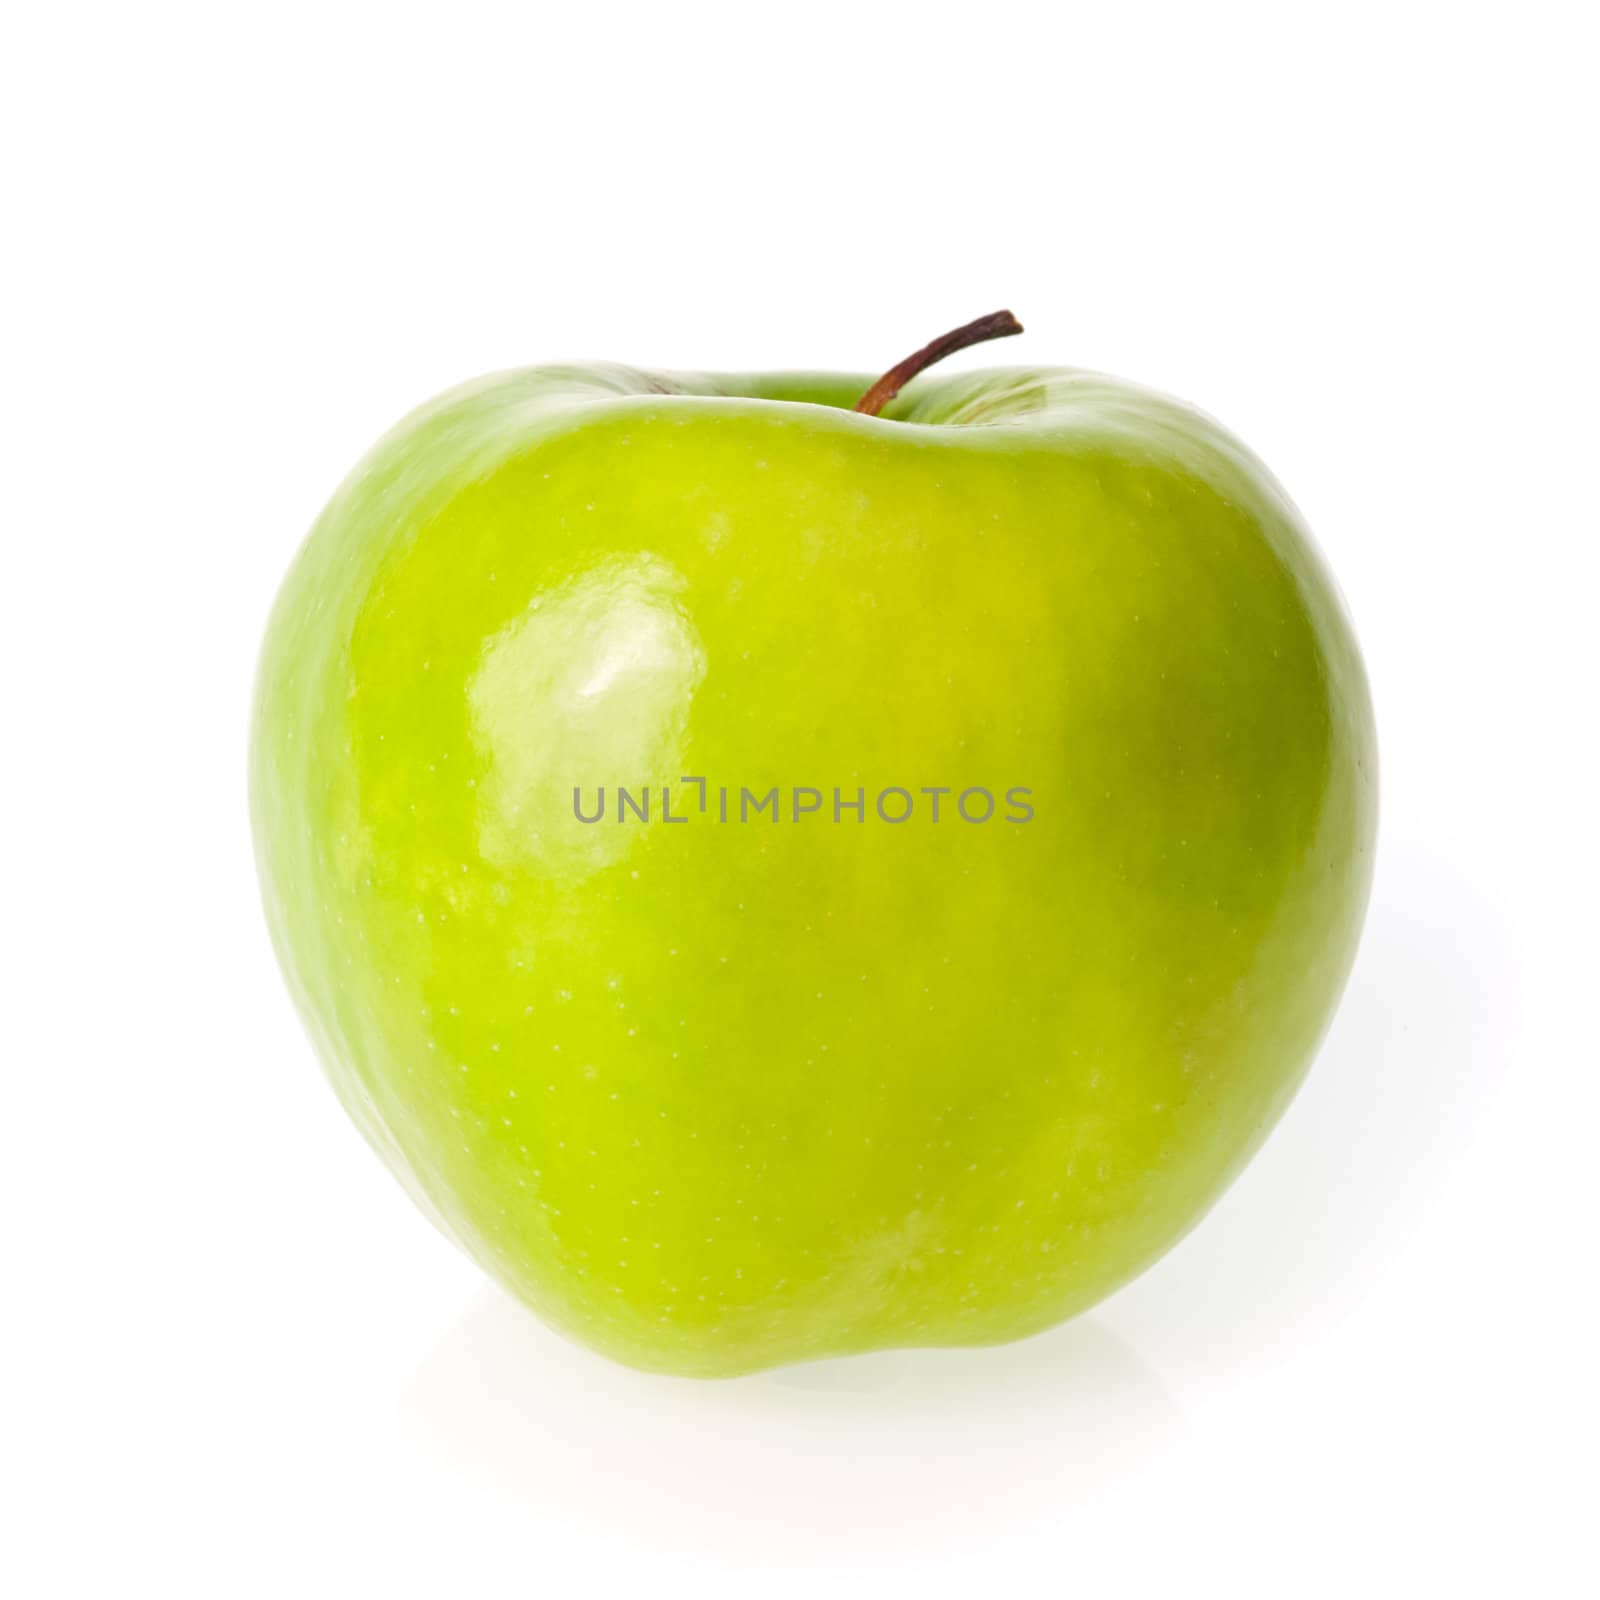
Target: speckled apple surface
column 712, row 1097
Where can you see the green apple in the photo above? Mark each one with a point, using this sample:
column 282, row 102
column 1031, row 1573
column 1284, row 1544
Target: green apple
column 1047, row 763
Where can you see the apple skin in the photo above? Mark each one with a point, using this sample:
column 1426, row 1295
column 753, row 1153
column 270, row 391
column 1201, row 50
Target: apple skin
column 712, row 1098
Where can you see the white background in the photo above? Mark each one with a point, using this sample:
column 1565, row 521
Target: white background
column 242, row 240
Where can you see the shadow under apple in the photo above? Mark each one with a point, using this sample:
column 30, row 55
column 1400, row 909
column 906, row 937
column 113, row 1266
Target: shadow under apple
column 844, row 1454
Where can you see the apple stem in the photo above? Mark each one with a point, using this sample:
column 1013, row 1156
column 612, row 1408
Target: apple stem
column 997, row 325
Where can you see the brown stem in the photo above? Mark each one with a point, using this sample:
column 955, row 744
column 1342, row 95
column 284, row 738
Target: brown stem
column 997, row 325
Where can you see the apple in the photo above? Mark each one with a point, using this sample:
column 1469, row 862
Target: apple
column 780, row 871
